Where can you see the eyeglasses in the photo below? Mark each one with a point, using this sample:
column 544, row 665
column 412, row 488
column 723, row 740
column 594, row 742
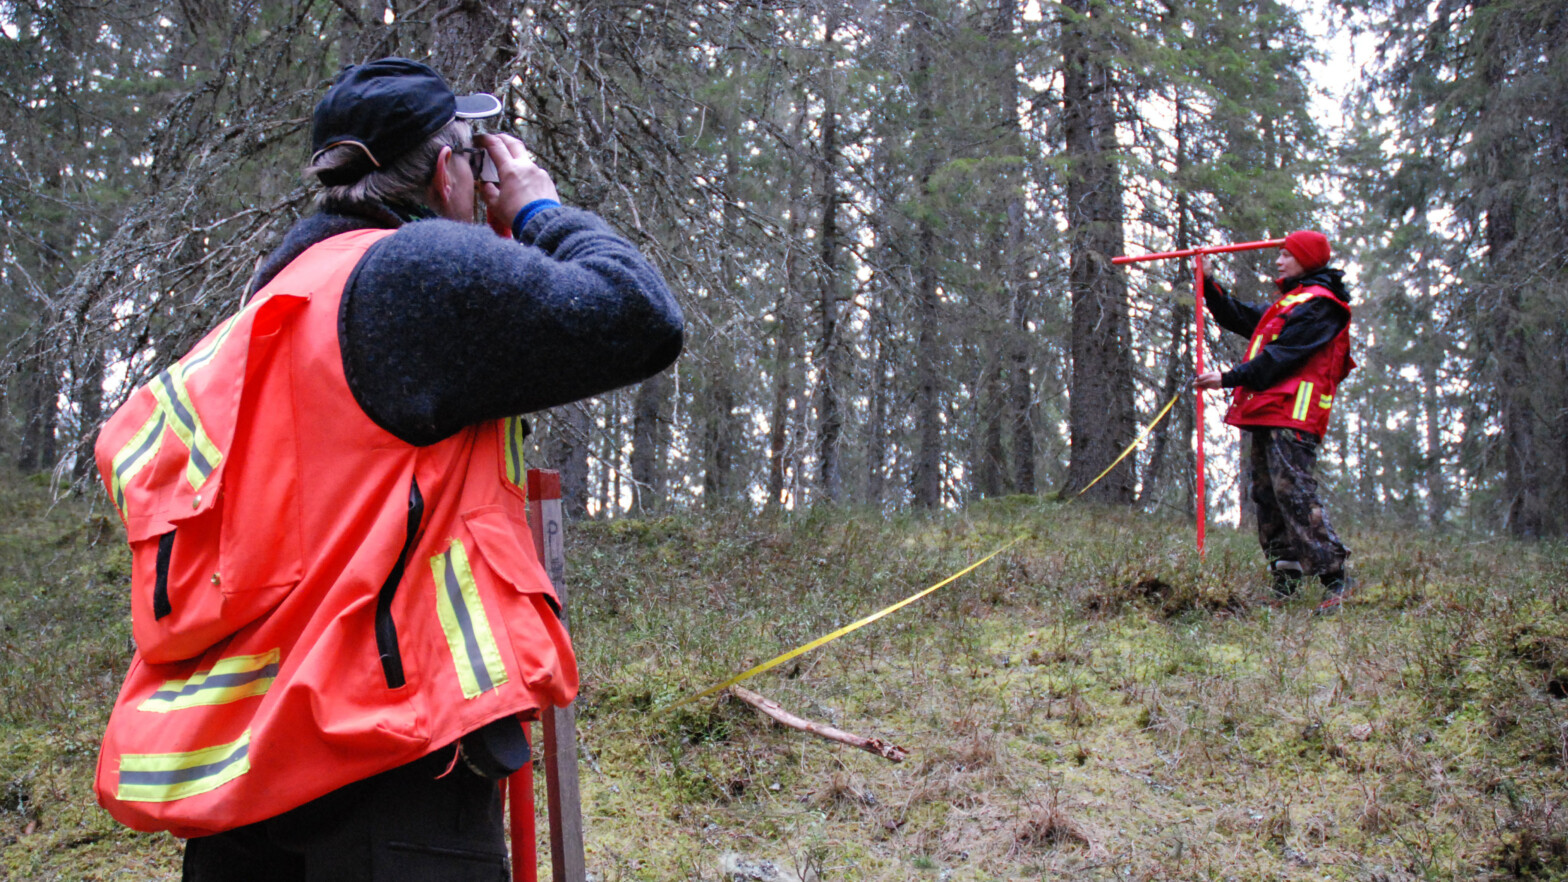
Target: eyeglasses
column 476, row 159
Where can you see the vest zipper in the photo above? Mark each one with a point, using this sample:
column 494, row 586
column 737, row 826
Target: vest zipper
column 386, row 629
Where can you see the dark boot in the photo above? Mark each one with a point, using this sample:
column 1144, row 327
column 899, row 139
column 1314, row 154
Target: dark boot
column 1286, row 578
column 1336, row 587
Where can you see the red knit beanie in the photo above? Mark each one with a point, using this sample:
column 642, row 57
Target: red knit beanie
column 1309, row 247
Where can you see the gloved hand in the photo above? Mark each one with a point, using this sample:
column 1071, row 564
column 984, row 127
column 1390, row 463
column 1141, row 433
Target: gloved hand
column 1212, row 288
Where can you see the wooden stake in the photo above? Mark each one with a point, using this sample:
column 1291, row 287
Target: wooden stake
column 770, row 707
column 563, row 798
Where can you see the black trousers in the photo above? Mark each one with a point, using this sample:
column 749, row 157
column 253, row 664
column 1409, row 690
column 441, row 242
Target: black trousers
column 412, row 823
column 1291, row 522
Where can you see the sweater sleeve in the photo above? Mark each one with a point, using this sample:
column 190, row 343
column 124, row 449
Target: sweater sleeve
column 1229, row 313
column 445, row 324
column 1308, row 328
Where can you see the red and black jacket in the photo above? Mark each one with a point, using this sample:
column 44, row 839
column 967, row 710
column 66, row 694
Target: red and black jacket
column 1302, row 395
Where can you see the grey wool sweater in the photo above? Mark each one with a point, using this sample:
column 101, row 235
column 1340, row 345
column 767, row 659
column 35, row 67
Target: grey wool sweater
column 445, row 324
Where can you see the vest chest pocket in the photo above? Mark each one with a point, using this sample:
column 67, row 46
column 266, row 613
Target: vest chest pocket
column 176, row 457
column 194, row 584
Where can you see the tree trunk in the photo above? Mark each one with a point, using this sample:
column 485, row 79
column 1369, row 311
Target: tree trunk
column 990, row 456
column 1431, row 355
column 1525, row 481
column 40, row 394
column 1101, row 404
column 718, row 441
column 647, row 420
column 1178, row 358
column 926, row 475
column 89, row 402
column 1017, row 288
column 830, row 421
column 570, row 456
column 877, row 428
column 720, row 425
column 788, row 313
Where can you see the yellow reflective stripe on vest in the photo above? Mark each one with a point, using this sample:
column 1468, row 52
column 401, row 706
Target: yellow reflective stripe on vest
column 231, row 679
column 1284, row 304
column 1303, row 401
column 516, row 472
column 1326, row 402
column 176, row 402
column 474, row 651
column 173, row 400
column 1258, row 344
column 138, row 452
column 205, row 355
column 165, row 777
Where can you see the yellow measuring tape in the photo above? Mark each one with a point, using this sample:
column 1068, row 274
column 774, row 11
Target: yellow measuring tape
column 829, row 638
column 1133, row 446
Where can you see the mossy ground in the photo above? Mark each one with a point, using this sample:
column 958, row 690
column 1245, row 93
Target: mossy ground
column 1095, row 703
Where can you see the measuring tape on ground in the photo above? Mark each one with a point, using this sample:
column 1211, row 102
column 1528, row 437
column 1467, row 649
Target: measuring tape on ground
column 855, row 626
column 829, row 638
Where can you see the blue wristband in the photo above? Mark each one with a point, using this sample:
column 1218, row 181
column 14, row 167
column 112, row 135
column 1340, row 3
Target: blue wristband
column 527, row 214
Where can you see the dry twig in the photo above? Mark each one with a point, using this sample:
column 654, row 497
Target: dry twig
column 771, row 708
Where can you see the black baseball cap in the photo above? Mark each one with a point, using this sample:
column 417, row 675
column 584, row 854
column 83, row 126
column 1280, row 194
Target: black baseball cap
column 386, row 108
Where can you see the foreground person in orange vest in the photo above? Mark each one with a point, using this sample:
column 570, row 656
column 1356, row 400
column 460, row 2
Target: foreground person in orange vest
column 1298, row 353
column 338, row 612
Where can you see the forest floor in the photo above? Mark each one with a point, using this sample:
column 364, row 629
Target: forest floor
column 1094, row 703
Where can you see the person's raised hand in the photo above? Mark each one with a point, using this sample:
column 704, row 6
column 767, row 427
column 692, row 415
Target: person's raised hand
column 522, row 181
column 1207, row 380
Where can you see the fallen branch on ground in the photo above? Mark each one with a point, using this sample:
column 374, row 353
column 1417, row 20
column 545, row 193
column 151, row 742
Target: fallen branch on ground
column 771, row 708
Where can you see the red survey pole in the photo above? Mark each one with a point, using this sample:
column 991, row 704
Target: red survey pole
column 1197, row 352
column 1200, row 491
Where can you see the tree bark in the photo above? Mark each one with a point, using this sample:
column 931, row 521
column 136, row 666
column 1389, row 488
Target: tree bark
column 830, row 422
column 1526, row 484
column 926, row 475
column 647, row 421
column 89, row 403
column 1431, row 355
column 1101, row 405
column 571, row 456
column 1017, row 288
column 718, row 441
column 41, row 390
column 1178, row 356
column 720, row 424
column 789, row 318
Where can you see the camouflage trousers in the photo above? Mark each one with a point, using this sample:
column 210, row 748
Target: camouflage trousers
column 1291, row 522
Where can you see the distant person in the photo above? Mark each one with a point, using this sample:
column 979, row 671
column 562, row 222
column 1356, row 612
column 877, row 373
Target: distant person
column 1298, row 353
column 339, row 617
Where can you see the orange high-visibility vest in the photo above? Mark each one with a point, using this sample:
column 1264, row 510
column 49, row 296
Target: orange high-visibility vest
column 1305, row 399
column 313, row 600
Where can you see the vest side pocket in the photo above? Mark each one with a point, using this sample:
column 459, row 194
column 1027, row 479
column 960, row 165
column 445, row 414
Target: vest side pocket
column 537, row 639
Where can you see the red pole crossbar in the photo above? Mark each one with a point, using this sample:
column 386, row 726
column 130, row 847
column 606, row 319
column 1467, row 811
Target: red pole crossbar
column 1193, row 252
column 1197, row 352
